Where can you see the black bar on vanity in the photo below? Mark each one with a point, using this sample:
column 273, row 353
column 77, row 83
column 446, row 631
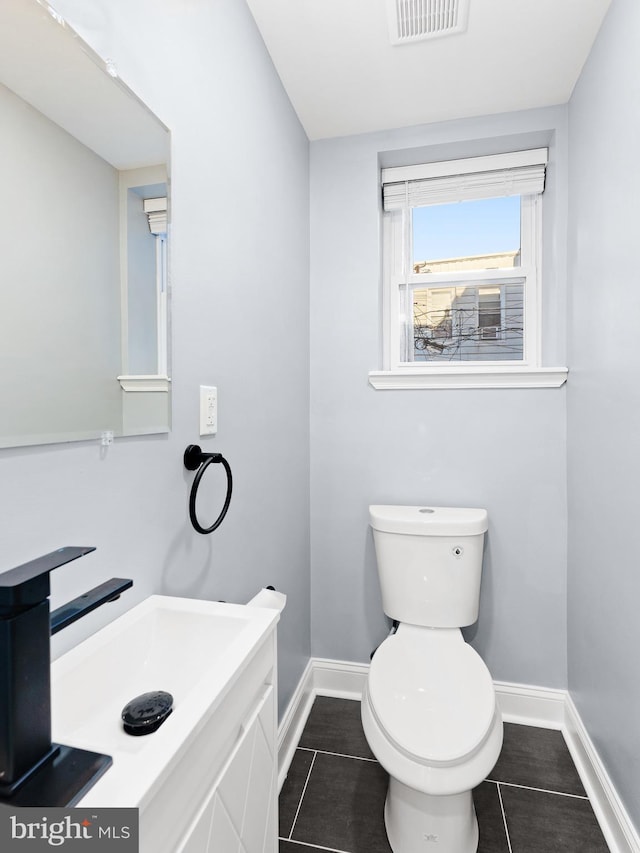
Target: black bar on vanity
column 79, row 607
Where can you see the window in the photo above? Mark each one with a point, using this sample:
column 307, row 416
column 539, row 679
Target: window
column 461, row 265
column 490, row 315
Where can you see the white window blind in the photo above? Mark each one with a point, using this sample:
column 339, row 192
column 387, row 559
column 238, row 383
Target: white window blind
column 518, row 173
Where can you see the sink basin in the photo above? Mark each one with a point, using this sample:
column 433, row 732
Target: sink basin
column 195, row 650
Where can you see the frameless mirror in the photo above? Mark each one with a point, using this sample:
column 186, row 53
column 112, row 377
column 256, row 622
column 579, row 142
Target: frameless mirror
column 83, row 241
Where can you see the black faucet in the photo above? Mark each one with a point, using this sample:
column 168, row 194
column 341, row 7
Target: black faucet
column 25, row 666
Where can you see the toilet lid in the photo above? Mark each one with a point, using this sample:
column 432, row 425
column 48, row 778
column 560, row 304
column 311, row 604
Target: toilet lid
column 432, row 694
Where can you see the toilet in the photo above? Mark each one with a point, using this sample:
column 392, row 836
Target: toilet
column 429, row 707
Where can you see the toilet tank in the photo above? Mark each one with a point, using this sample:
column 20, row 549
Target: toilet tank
column 429, row 563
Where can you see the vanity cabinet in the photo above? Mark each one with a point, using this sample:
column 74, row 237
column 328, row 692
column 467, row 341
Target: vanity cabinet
column 222, row 795
column 239, row 812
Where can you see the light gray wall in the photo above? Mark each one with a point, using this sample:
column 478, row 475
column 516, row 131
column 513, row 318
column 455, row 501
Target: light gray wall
column 603, row 402
column 239, row 277
column 499, row 449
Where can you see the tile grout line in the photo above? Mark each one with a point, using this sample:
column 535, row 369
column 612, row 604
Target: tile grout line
column 323, row 849
column 314, row 846
column 539, row 790
column 504, row 817
column 338, row 754
column 295, row 818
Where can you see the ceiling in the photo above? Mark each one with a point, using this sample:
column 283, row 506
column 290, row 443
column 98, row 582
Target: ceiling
column 75, row 91
column 343, row 75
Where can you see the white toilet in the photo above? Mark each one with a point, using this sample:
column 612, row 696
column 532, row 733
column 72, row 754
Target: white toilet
column 429, row 708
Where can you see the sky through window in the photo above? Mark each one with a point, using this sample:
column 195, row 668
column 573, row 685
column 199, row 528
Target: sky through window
column 482, row 227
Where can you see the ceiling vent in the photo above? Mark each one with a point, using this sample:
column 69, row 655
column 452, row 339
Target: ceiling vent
column 415, row 20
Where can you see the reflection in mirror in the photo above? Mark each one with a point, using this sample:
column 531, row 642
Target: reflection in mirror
column 143, row 250
column 83, row 225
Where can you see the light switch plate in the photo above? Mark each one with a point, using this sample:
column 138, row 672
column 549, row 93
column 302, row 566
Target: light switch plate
column 208, row 410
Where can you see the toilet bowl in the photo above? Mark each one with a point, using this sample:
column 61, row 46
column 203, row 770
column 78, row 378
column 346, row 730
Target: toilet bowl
column 429, row 708
column 430, row 717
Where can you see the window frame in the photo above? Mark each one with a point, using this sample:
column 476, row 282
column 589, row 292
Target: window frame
column 399, row 281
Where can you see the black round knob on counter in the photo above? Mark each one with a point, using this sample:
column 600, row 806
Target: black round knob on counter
column 147, row 712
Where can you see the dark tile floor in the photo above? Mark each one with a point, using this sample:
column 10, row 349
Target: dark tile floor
column 333, row 797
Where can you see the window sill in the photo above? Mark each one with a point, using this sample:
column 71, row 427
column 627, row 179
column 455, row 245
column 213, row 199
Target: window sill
column 143, row 383
column 468, row 377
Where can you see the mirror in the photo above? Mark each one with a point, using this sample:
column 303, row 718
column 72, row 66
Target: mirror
column 83, row 225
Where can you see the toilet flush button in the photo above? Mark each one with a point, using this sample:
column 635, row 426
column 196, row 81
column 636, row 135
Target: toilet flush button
column 457, row 551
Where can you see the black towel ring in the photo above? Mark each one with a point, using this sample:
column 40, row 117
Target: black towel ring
column 195, row 459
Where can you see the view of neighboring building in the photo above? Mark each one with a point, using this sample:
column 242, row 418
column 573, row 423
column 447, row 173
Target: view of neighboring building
column 469, row 322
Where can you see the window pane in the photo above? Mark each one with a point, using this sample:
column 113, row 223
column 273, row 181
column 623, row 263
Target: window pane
column 489, row 312
column 467, row 235
column 469, row 323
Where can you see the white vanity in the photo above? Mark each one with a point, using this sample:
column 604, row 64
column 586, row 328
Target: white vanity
column 206, row 780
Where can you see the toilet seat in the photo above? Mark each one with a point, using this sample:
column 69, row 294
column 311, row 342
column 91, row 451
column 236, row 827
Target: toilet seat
column 431, row 694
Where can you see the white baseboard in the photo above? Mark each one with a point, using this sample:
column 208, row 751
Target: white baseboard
column 519, row 703
column 293, row 721
column 321, row 678
column 531, row 706
column 616, row 825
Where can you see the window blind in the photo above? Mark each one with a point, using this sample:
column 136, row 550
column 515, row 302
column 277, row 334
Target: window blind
column 519, row 173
